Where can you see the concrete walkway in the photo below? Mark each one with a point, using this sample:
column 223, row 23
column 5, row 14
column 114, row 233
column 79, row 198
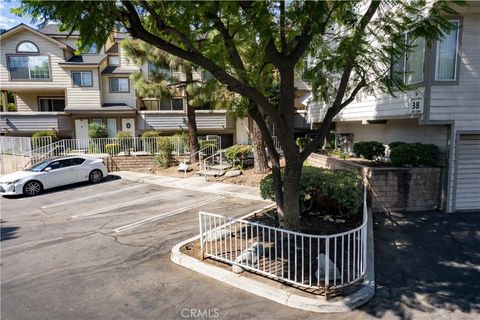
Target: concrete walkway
column 194, row 184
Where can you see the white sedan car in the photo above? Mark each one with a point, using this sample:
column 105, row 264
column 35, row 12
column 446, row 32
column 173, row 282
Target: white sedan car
column 53, row 173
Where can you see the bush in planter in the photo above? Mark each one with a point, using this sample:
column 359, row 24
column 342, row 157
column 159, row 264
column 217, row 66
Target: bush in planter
column 369, row 149
column 97, row 130
column 149, row 139
column 340, row 192
column 124, row 140
column 414, row 154
column 237, row 154
column 165, row 157
column 112, row 148
column 36, row 137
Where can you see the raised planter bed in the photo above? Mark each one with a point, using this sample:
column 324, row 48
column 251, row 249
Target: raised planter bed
column 392, row 188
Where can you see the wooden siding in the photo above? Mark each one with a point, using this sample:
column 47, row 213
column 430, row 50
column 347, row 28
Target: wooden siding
column 174, row 121
column 85, row 97
column 59, row 77
column 27, row 101
column 16, row 122
column 115, row 97
column 461, row 102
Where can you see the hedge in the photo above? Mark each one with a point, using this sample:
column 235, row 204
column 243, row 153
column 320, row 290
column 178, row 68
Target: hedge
column 339, row 191
column 413, row 154
column 369, row 149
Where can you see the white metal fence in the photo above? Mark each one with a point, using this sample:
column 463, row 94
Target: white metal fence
column 124, row 146
column 304, row 260
column 17, row 152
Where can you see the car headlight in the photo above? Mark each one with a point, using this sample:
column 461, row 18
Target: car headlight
column 11, row 182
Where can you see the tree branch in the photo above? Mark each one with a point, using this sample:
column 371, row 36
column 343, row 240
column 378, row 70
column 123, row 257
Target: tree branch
column 163, row 27
column 337, row 105
column 283, row 37
column 136, row 29
column 230, row 44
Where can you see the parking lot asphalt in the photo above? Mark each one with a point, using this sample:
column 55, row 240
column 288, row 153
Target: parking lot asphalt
column 103, row 252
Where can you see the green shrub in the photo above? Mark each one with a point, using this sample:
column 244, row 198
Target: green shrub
column 340, row 191
column 395, row 144
column 338, row 153
column 237, row 154
column 36, row 137
column 124, row 140
column 414, row 154
column 97, row 130
column 11, row 107
column 165, row 157
column 112, row 148
column 302, row 142
column 150, row 134
column 369, row 149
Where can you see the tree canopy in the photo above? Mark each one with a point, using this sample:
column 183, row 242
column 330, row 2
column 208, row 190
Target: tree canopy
column 352, row 43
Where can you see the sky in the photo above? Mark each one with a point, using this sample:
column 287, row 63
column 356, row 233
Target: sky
column 8, row 19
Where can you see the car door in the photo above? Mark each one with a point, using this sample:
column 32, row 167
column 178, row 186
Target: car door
column 80, row 169
column 59, row 173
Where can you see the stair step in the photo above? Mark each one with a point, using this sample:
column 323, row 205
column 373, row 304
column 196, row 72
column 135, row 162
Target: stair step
column 219, row 167
column 211, row 173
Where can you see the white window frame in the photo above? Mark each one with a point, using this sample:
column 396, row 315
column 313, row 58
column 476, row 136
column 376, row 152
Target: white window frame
column 29, row 68
column 81, row 79
column 119, row 91
column 456, row 55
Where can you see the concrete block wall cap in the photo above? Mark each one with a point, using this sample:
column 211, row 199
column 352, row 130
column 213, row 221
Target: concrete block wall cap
column 315, row 304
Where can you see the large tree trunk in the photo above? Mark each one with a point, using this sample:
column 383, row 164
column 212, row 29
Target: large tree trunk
column 192, row 133
column 291, row 194
column 260, row 165
column 192, row 122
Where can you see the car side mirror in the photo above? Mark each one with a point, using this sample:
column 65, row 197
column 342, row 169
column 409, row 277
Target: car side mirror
column 47, row 169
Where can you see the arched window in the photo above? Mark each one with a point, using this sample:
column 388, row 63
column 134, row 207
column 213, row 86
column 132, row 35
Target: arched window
column 27, row 46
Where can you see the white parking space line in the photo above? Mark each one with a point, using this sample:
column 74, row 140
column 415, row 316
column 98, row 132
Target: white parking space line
column 125, row 204
column 98, row 195
column 165, row 215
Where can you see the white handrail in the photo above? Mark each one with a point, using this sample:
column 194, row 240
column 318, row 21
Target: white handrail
column 289, row 256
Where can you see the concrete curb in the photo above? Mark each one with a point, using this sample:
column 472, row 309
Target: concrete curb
column 318, row 304
column 240, row 195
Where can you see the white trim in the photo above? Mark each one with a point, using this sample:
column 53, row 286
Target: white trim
column 456, row 55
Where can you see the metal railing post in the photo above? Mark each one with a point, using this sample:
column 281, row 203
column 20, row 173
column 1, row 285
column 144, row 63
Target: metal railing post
column 201, row 233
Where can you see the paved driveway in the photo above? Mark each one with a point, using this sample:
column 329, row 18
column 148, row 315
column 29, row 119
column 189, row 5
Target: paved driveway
column 102, row 252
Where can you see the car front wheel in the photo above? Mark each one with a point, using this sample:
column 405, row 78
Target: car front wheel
column 32, row 188
column 95, row 176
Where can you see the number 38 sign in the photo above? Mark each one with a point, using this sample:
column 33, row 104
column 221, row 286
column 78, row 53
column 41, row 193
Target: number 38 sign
column 415, row 103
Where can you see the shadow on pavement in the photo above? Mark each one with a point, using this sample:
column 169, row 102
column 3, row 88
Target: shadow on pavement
column 425, row 262
column 7, row 233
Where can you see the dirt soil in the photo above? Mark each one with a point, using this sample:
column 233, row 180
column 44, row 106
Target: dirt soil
column 312, row 224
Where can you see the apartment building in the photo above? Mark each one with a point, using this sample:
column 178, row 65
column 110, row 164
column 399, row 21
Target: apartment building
column 443, row 108
column 55, row 88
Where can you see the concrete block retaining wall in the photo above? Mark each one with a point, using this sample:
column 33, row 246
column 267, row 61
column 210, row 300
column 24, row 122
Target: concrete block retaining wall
column 391, row 188
column 11, row 163
column 130, row 163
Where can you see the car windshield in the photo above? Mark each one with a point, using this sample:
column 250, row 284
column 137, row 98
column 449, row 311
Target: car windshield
column 39, row 166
